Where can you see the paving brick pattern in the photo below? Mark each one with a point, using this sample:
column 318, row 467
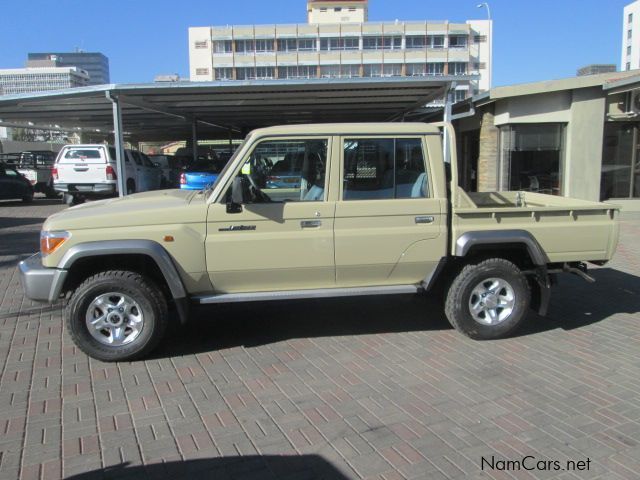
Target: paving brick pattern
column 357, row 388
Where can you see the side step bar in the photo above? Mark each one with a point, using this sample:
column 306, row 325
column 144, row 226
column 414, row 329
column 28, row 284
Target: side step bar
column 300, row 294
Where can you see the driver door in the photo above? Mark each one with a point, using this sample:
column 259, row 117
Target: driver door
column 282, row 239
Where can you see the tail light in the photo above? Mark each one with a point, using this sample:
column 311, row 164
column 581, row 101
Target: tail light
column 183, row 179
column 54, row 173
column 111, row 173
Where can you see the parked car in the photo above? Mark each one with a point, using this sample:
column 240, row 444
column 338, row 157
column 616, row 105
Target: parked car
column 13, row 185
column 90, row 171
column 36, row 166
column 149, row 176
column 200, row 174
column 378, row 214
column 170, row 167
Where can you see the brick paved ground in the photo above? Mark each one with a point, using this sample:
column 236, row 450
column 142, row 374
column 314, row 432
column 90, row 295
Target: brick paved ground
column 358, row 388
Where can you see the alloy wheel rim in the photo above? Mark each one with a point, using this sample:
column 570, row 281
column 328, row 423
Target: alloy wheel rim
column 114, row 319
column 492, row 301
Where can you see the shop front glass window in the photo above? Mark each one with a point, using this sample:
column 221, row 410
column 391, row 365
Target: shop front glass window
column 620, row 163
column 532, row 157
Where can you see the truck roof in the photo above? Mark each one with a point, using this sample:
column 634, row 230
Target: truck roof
column 380, row 128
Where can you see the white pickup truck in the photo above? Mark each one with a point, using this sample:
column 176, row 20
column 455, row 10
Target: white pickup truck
column 89, row 171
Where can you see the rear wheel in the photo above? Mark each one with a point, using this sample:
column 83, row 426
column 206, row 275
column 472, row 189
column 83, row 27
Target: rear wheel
column 28, row 196
column 117, row 316
column 488, row 300
column 51, row 193
column 131, row 187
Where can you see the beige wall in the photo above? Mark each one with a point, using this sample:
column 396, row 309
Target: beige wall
column 585, row 134
column 350, row 12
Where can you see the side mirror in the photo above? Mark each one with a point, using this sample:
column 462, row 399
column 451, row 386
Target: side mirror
column 234, row 204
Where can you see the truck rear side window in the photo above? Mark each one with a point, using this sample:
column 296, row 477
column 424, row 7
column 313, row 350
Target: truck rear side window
column 83, row 154
column 384, row 168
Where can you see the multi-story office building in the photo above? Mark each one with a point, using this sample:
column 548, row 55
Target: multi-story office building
column 630, row 57
column 27, row 80
column 94, row 63
column 338, row 42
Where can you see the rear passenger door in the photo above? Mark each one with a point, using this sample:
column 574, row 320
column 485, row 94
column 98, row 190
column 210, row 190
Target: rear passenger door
column 390, row 222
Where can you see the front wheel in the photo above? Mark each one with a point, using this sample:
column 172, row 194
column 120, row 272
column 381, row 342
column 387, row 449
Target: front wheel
column 488, row 300
column 117, row 316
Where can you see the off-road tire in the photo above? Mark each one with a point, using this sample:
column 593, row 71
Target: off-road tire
column 142, row 290
column 459, row 294
column 131, row 187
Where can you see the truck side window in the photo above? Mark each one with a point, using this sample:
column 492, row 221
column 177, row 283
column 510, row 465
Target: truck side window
column 288, row 170
column 384, row 168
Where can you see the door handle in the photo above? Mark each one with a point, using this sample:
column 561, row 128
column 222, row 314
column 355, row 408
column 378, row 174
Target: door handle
column 425, row 219
column 310, row 223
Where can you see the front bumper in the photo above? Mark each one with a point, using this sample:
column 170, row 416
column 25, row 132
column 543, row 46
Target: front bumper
column 41, row 283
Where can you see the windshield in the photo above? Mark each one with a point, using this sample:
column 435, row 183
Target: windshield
column 207, row 191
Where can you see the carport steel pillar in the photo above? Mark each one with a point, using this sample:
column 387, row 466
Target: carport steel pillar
column 118, row 144
column 194, row 139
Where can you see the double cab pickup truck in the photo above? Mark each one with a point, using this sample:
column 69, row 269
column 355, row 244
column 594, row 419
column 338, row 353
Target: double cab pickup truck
column 372, row 209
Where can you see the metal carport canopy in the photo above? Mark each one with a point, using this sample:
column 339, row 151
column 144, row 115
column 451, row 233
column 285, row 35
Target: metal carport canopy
column 167, row 111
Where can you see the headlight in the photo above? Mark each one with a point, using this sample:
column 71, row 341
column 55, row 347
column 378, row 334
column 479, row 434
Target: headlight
column 51, row 241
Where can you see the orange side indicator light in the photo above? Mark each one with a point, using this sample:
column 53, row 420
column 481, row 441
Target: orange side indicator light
column 168, row 238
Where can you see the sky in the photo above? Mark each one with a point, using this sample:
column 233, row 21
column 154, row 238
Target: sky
column 533, row 40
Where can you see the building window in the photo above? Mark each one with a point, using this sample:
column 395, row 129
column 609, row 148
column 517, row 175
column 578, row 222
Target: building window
column 298, row 71
column 620, row 176
column 457, row 68
column 288, row 45
column 351, row 71
column 330, row 71
column 202, row 71
column 222, row 46
column 628, row 66
column 373, row 70
column 416, row 41
column 629, row 34
column 201, row 44
column 223, row 73
column 416, row 69
column 382, row 43
column 391, row 70
column 480, row 38
column 323, row 10
column 629, row 50
column 460, row 95
column 532, row 157
column 384, row 168
column 337, row 9
column 457, row 41
column 435, row 68
column 264, row 46
column 245, row 46
column 348, row 43
column 306, row 44
column 435, row 41
column 630, row 18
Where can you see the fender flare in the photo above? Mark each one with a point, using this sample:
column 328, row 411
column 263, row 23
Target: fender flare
column 149, row 248
column 499, row 237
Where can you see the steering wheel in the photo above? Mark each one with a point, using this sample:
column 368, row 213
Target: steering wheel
column 255, row 190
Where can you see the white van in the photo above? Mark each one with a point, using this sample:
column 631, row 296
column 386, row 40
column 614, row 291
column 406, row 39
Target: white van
column 90, row 171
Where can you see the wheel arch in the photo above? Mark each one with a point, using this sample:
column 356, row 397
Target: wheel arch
column 471, row 242
column 145, row 256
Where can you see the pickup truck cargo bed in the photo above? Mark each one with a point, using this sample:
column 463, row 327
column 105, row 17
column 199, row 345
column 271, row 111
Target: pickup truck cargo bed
column 567, row 229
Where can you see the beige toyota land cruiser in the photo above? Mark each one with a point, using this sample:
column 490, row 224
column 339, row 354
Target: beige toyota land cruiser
column 313, row 211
